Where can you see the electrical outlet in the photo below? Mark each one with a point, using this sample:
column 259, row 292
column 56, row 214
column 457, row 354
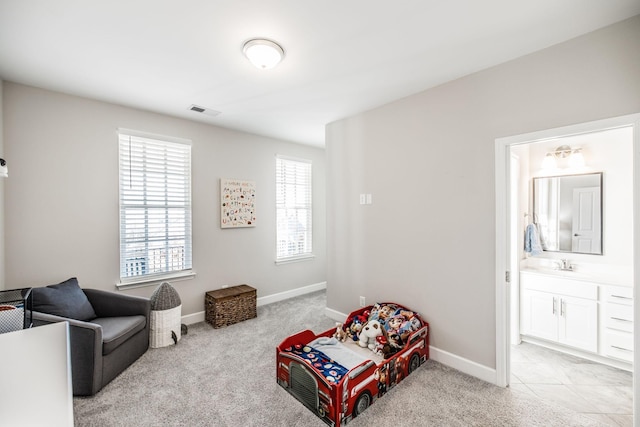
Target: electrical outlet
column 362, row 302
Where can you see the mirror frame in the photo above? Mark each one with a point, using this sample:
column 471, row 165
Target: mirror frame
column 536, row 214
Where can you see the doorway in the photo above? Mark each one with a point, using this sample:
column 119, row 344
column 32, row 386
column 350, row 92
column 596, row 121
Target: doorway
column 506, row 224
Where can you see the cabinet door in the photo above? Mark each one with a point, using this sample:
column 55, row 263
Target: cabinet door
column 579, row 323
column 539, row 318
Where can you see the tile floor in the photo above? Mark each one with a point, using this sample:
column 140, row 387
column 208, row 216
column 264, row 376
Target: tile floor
column 601, row 392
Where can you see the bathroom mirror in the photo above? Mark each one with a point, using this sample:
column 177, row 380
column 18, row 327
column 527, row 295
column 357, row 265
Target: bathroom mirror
column 568, row 212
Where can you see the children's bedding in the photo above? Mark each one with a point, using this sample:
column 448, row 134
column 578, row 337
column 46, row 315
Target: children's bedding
column 331, row 357
column 346, row 355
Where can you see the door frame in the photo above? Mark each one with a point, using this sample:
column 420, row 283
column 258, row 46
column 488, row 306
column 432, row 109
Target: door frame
column 503, row 233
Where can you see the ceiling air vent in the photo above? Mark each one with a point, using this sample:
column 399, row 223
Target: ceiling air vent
column 203, row 110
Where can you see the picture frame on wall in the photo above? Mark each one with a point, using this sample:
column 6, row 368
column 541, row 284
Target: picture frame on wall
column 237, row 203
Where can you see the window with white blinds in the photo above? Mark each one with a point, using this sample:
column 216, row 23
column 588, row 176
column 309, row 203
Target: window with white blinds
column 293, row 208
column 155, row 207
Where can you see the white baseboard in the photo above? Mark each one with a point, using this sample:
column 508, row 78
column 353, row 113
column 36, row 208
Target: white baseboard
column 335, row 315
column 190, row 319
column 281, row 296
column 463, row 365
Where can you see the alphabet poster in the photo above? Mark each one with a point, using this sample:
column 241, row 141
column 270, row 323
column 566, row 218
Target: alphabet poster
column 238, row 203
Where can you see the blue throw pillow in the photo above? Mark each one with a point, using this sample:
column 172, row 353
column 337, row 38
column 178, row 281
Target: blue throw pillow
column 65, row 299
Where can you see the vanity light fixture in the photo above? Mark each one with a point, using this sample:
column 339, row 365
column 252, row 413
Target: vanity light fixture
column 4, row 169
column 263, row 53
column 573, row 155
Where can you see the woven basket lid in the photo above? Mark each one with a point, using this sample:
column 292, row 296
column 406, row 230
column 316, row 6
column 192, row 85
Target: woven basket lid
column 165, row 297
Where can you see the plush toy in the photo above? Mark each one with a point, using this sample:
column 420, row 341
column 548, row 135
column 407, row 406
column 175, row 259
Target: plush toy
column 340, row 334
column 354, row 326
column 368, row 334
column 395, row 323
column 395, row 341
column 382, row 346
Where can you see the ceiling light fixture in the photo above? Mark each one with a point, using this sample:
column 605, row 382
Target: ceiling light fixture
column 263, row 53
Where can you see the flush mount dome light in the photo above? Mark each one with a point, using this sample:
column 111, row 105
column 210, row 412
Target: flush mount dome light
column 263, row 53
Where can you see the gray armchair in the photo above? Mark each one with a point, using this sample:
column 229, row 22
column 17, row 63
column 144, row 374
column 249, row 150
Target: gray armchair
column 108, row 331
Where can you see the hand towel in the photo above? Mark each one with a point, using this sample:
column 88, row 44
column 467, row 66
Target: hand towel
column 532, row 240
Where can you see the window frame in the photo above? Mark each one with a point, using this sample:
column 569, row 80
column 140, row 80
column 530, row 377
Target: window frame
column 307, row 206
column 176, row 188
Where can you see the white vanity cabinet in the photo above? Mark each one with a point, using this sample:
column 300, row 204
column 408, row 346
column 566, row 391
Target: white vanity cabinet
column 617, row 322
column 560, row 310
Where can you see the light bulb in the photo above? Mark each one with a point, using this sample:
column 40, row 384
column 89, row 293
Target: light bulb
column 576, row 160
column 549, row 162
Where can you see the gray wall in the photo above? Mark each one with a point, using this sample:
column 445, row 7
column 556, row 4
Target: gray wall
column 428, row 238
column 61, row 201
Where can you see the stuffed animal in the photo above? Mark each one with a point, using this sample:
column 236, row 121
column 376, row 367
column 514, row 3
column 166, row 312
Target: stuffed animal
column 340, row 334
column 395, row 341
column 354, row 326
column 368, row 334
column 382, row 312
column 395, row 323
column 382, row 346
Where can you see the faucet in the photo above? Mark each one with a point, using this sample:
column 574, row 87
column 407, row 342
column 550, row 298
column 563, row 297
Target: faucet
column 565, row 265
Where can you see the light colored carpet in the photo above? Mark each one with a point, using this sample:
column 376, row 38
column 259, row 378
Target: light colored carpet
column 226, row 377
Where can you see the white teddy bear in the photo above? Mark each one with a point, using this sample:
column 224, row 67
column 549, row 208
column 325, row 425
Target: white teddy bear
column 368, row 334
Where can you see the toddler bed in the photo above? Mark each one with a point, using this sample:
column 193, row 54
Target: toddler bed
column 338, row 373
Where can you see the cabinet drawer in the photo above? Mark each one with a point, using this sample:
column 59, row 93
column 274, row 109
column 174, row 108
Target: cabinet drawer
column 619, row 345
column 619, row 317
column 618, row 294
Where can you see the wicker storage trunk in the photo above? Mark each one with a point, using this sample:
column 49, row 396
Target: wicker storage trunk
column 230, row 305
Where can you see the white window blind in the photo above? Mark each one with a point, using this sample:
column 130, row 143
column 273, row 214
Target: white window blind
column 293, row 208
column 155, row 207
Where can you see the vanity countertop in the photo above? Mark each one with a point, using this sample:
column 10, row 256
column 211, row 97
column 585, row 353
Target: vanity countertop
column 621, row 278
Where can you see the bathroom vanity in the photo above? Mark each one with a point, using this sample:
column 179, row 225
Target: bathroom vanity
column 588, row 315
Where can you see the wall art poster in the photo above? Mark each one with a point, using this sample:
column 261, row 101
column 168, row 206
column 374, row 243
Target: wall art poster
column 238, row 203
